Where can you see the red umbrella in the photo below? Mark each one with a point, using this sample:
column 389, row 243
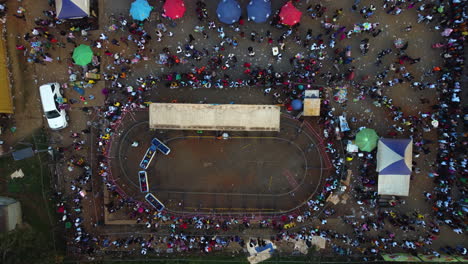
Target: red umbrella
column 289, row 14
column 174, row 8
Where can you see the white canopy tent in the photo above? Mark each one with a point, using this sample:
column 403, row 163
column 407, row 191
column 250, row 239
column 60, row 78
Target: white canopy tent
column 394, row 158
column 70, row 9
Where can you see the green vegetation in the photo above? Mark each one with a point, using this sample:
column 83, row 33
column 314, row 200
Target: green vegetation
column 24, row 245
column 37, row 238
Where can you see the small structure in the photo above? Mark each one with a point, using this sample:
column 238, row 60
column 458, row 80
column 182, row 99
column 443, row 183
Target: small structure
column 311, row 103
column 218, row 117
column 394, row 158
column 23, row 154
column 260, row 253
column 10, row 214
column 319, row 242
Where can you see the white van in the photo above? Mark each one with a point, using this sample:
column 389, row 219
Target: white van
column 56, row 117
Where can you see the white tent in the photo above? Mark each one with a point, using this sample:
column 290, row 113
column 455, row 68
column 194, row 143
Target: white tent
column 394, row 158
column 68, row 9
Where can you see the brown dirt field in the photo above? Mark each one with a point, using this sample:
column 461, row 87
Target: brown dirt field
column 261, row 171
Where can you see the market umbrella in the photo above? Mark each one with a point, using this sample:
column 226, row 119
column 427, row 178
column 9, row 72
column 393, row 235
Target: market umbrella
column 366, row 139
column 174, row 8
column 82, row 55
column 140, row 10
column 229, row 11
column 289, row 14
column 259, row 10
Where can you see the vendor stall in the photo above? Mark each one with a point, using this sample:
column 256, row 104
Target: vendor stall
column 394, row 157
column 311, row 103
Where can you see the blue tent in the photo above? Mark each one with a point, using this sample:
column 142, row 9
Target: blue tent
column 140, row 10
column 259, row 10
column 67, row 9
column 394, row 158
column 229, row 11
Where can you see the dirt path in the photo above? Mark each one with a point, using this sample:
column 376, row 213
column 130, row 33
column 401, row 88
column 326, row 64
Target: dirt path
column 28, row 114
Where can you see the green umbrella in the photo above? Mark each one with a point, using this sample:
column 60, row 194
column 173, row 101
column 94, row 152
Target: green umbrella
column 82, row 55
column 68, row 225
column 366, row 139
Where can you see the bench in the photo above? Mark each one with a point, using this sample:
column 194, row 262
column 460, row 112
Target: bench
column 161, row 146
column 143, row 179
column 145, row 162
column 151, row 199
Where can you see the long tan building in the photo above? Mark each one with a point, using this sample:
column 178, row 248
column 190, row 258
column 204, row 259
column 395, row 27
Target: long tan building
column 6, row 102
column 223, row 117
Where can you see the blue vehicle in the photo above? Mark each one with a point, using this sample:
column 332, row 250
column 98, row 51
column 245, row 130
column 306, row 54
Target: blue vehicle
column 151, row 199
column 143, row 179
column 161, row 146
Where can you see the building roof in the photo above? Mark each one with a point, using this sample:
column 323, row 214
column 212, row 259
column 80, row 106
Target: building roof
column 6, row 102
column 311, row 107
column 311, row 103
column 222, row 117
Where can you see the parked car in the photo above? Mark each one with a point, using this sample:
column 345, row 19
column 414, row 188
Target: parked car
column 50, row 96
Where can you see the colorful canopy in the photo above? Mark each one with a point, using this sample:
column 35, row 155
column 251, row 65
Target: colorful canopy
column 72, row 8
column 289, row 14
column 174, row 8
column 366, row 139
column 394, row 158
column 140, row 10
column 259, row 10
column 229, row 11
column 82, row 55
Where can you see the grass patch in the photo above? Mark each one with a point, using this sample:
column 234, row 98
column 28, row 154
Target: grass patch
column 29, row 189
column 31, row 167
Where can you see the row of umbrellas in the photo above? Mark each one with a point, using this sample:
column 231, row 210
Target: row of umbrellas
column 141, row 9
column 228, row 11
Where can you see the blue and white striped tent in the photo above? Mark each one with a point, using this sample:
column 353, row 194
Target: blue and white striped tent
column 394, row 158
column 69, row 9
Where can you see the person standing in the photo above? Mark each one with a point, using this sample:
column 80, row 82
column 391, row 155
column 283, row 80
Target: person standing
column 191, row 38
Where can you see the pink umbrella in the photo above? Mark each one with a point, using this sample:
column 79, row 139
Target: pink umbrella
column 289, row 14
column 174, row 8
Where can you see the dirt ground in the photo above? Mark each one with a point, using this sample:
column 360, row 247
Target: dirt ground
column 252, row 171
column 27, row 77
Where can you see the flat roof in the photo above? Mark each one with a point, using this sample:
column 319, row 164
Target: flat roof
column 6, row 102
column 220, row 117
column 311, row 107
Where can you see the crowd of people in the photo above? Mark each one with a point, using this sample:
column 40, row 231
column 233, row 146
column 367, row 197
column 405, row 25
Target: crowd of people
column 123, row 96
